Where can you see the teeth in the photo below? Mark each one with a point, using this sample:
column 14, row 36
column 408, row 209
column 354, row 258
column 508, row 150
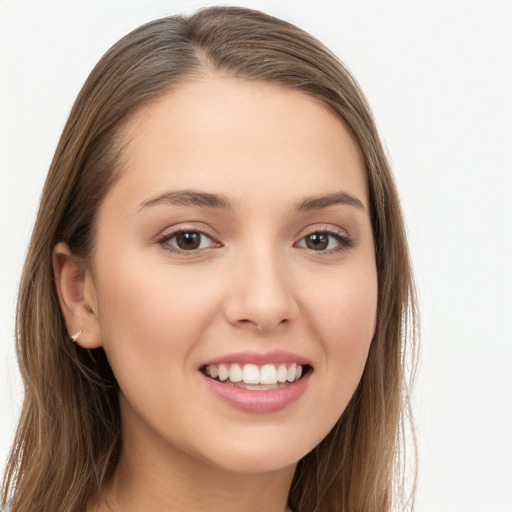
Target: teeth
column 235, row 373
column 214, row 371
column 251, row 374
column 281, row 373
column 290, row 376
column 223, row 372
column 267, row 374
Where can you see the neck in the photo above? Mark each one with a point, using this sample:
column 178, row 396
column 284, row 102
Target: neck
column 154, row 475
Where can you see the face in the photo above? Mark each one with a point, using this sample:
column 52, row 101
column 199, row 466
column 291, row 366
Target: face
column 233, row 279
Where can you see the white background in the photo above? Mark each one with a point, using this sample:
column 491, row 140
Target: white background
column 438, row 75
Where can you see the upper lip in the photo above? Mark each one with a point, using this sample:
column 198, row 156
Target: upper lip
column 259, row 358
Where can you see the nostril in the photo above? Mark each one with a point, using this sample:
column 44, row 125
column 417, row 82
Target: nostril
column 262, row 324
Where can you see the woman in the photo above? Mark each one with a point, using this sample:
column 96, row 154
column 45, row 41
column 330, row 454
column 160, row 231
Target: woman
column 221, row 238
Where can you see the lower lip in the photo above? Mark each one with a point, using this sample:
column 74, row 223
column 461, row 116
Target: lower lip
column 248, row 400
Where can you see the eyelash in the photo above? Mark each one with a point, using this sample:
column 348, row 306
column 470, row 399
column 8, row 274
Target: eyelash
column 165, row 240
column 344, row 241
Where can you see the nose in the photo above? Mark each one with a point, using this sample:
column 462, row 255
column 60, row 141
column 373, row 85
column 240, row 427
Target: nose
column 261, row 293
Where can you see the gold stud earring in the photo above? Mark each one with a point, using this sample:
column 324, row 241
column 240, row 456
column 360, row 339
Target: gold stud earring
column 76, row 336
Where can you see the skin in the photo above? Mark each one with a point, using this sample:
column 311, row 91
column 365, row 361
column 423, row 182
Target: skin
column 253, row 284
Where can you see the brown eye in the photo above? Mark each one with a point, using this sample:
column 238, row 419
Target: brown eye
column 326, row 241
column 187, row 241
column 317, row 241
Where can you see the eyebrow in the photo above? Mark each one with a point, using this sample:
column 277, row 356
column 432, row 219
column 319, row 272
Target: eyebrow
column 190, row 198
column 324, row 201
column 216, row 201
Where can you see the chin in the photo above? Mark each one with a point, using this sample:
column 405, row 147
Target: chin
column 264, row 453
column 258, row 463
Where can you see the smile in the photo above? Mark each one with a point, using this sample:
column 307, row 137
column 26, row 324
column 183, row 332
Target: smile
column 255, row 377
column 258, row 383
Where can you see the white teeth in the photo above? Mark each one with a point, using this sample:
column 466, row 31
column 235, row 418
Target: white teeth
column 281, row 373
column 290, row 376
column 251, row 374
column 235, row 373
column 268, row 374
column 223, row 372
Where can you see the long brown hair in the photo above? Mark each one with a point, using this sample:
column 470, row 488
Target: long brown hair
column 69, row 434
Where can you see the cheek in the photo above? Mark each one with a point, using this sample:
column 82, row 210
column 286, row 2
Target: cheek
column 344, row 317
column 151, row 317
column 346, row 303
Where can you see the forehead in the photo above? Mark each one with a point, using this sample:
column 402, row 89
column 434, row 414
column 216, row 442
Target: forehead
column 224, row 133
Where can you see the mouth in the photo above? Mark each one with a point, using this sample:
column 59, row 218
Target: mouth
column 256, row 377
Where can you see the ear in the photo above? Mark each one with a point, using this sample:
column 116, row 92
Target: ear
column 77, row 296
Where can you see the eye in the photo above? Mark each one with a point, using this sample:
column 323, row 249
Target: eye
column 326, row 241
column 187, row 241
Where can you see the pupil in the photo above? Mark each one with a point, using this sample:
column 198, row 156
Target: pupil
column 317, row 241
column 188, row 240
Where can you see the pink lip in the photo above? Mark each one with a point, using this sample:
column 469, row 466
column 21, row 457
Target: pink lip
column 266, row 401
column 274, row 356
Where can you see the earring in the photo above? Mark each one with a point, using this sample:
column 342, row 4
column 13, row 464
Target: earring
column 76, row 336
